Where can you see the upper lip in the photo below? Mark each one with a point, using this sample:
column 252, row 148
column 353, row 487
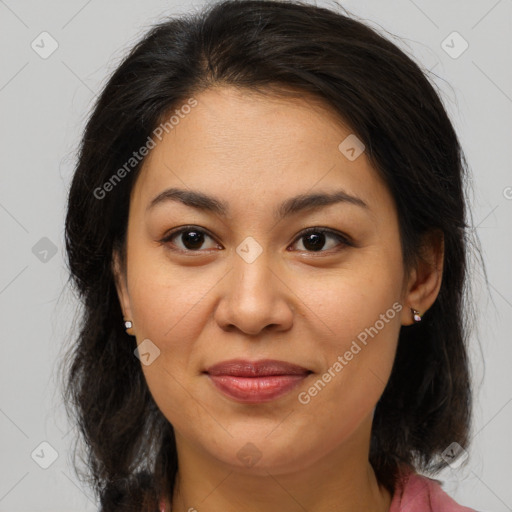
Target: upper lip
column 264, row 367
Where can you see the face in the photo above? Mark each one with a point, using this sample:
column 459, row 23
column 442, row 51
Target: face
column 251, row 274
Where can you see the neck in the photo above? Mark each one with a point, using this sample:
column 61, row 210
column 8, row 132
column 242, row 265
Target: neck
column 341, row 480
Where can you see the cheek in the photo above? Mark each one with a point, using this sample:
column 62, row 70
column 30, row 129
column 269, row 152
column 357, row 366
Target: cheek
column 360, row 312
column 357, row 370
column 353, row 299
column 166, row 299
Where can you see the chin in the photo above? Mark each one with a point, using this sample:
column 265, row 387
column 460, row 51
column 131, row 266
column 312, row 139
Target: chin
column 263, row 454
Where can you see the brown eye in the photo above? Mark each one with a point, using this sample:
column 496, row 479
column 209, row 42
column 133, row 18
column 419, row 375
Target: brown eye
column 314, row 239
column 188, row 239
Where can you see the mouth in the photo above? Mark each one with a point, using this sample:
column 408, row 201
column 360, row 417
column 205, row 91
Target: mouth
column 256, row 381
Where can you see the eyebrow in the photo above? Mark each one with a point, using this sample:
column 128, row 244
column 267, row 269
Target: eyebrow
column 204, row 202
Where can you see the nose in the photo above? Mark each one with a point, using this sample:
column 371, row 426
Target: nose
column 254, row 298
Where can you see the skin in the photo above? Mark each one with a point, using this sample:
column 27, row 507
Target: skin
column 207, row 304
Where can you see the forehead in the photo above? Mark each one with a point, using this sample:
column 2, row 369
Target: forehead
column 236, row 143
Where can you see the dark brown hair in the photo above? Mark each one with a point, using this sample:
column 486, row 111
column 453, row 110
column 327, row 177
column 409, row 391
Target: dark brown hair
column 388, row 102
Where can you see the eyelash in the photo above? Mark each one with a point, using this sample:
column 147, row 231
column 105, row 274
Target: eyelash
column 343, row 239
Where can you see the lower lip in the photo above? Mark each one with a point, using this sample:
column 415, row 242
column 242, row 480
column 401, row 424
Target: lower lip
column 256, row 389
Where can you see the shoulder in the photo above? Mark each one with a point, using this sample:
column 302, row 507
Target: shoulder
column 417, row 492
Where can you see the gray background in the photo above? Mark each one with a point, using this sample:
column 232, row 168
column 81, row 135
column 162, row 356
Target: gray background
column 44, row 104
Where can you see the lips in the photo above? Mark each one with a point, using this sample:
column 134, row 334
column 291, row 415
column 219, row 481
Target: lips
column 256, row 381
column 242, row 368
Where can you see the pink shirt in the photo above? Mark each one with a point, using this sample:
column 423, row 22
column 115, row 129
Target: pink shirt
column 416, row 493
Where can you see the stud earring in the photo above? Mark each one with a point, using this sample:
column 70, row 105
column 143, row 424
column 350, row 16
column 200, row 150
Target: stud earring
column 128, row 326
column 416, row 315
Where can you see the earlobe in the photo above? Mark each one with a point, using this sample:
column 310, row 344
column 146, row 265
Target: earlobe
column 425, row 279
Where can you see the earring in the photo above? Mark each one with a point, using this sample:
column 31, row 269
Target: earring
column 128, row 326
column 416, row 315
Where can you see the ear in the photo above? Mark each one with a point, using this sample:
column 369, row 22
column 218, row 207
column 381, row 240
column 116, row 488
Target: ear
column 425, row 278
column 119, row 271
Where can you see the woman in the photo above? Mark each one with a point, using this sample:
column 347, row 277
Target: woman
column 267, row 229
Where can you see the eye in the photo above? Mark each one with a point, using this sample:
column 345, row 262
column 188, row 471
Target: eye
column 190, row 238
column 315, row 239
